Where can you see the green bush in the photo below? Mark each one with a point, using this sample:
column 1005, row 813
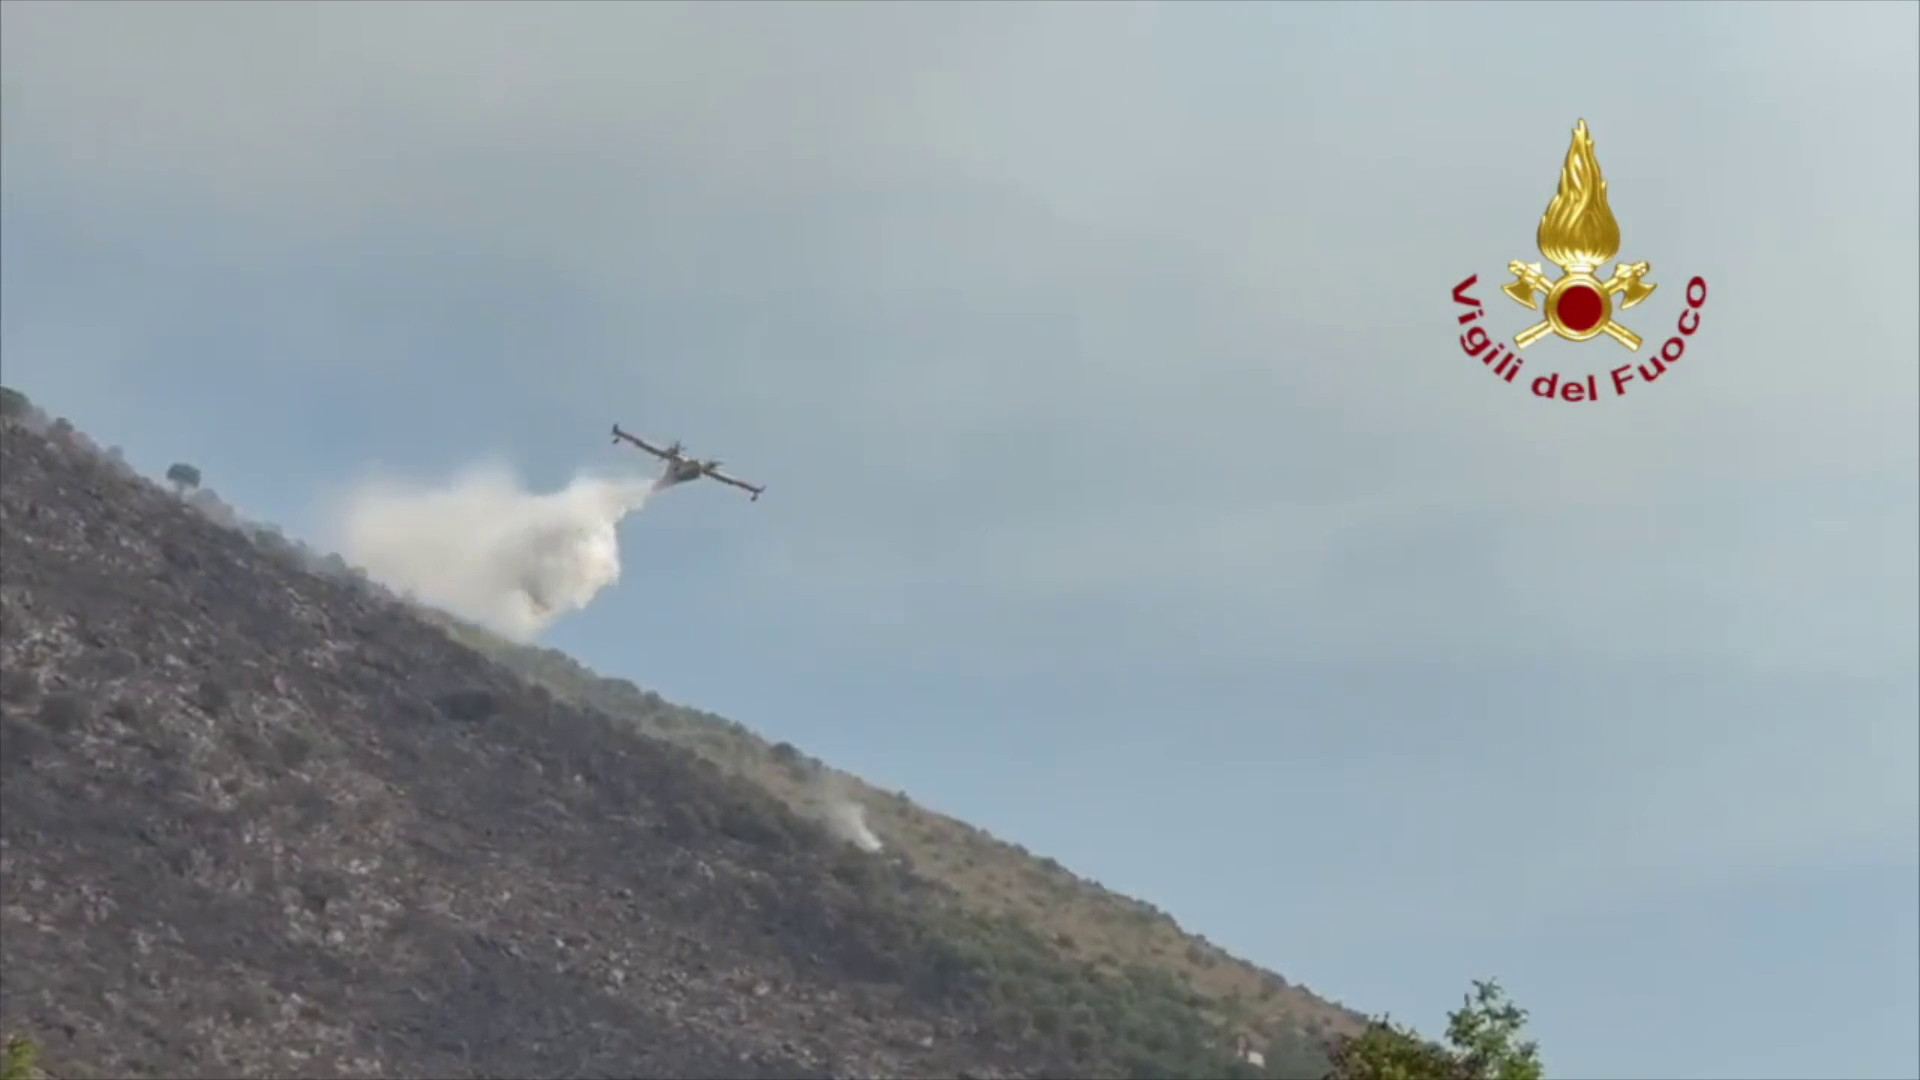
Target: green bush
column 22, row 1060
column 1483, row 1043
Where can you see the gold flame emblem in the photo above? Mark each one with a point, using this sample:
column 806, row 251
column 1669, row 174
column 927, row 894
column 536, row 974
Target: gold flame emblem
column 1578, row 234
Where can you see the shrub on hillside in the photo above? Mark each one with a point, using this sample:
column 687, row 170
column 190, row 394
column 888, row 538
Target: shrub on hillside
column 1483, row 1043
column 21, row 1060
column 13, row 403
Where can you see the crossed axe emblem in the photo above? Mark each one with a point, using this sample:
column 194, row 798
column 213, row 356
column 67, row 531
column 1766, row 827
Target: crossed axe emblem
column 1530, row 281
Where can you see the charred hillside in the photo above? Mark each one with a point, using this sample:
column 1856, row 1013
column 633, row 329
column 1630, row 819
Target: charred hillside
column 261, row 820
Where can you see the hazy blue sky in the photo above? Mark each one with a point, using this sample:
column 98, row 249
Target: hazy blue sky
column 1129, row 494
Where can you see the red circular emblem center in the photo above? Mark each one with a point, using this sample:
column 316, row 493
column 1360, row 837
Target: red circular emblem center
column 1580, row 308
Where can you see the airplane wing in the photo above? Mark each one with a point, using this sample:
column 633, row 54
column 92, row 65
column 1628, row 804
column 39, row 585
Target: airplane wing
column 619, row 435
column 716, row 474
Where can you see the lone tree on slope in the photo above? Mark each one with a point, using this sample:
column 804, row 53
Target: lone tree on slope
column 183, row 476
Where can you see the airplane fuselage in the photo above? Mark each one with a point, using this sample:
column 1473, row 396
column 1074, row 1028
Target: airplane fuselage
column 681, row 471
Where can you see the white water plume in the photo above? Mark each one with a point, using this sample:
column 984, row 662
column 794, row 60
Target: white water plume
column 485, row 548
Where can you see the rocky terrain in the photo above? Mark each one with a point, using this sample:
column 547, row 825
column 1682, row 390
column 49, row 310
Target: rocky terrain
column 1169, row 974
column 261, row 820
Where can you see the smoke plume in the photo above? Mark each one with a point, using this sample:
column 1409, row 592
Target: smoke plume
column 829, row 798
column 485, row 548
column 847, row 820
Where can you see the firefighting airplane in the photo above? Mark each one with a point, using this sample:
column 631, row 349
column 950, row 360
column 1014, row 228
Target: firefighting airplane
column 681, row 468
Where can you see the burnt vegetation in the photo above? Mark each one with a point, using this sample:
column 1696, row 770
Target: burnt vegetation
column 260, row 817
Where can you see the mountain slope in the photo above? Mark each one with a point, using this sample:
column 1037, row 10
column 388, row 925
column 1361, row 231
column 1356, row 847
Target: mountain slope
column 258, row 820
column 1115, row 934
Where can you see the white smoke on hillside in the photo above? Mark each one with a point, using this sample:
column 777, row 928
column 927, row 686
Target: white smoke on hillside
column 829, row 797
column 485, row 548
column 847, row 820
